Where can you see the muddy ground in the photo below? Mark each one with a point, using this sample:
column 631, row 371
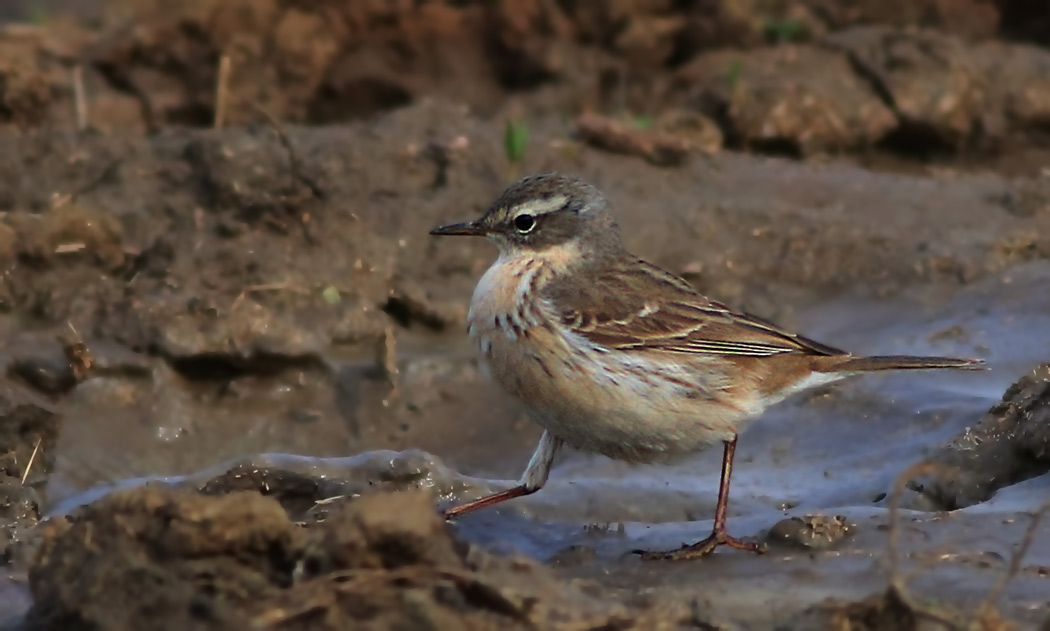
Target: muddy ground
column 236, row 380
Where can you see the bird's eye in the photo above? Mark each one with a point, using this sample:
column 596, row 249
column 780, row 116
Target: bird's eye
column 524, row 223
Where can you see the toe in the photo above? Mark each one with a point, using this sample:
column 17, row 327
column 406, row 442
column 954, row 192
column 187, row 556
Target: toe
column 701, row 548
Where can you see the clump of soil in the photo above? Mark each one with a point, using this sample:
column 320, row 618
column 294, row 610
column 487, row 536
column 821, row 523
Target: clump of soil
column 28, row 434
column 65, row 232
column 1009, row 444
column 24, row 94
column 164, row 559
column 124, row 560
column 787, row 99
column 38, row 73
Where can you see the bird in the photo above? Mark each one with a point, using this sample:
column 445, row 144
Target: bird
column 613, row 355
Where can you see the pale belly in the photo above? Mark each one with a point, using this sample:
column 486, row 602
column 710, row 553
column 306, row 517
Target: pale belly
column 613, row 403
column 595, row 399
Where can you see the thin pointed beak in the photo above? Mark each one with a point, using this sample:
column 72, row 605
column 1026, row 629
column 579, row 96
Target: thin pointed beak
column 470, row 229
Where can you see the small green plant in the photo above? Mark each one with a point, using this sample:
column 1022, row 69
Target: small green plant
column 734, row 74
column 778, row 31
column 515, row 139
column 643, row 122
column 37, row 12
column 331, row 295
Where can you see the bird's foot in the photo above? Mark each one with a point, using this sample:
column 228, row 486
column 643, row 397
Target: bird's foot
column 703, row 548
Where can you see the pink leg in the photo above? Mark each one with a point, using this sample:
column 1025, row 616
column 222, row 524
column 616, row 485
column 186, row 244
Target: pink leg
column 532, row 480
column 718, row 536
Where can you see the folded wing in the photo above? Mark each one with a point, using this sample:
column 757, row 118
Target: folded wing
column 639, row 307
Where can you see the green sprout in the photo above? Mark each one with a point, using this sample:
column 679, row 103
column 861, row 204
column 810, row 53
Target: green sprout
column 785, row 30
column 37, row 13
column 734, row 74
column 644, row 122
column 515, row 139
column 331, row 295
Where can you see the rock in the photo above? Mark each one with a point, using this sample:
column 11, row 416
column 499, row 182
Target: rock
column 928, row 80
column 813, row 532
column 787, row 99
column 1018, row 79
column 1009, row 444
column 948, row 94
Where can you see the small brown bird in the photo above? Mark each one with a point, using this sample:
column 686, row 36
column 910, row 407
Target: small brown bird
column 613, row 355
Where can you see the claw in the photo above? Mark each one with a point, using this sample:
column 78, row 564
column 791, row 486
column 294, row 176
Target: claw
column 702, row 548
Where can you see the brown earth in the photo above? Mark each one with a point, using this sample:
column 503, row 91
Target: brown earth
column 1008, row 445
column 175, row 296
column 797, row 77
column 385, row 561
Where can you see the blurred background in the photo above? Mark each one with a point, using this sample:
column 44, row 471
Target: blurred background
column 916, row 78
column 35, row 12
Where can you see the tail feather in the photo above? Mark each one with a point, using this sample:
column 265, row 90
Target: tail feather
column 896, row 362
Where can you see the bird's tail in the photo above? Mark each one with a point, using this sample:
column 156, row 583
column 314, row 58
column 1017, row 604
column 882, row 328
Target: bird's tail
column 895, row 362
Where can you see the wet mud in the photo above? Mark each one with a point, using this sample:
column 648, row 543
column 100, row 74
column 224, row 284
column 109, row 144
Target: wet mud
column 384, row 561
column 236, row 383
column 191, row 369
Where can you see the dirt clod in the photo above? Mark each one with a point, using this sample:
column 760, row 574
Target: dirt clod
column 164, row 559
column 26, row 426
column 202, row 561
column 656, row 148
column 811, row 531
column 1009, row 444
column 789, row 99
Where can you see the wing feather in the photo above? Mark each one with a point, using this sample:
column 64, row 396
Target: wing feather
column 639, row 307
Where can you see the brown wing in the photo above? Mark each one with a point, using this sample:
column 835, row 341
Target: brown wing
column 638, row 306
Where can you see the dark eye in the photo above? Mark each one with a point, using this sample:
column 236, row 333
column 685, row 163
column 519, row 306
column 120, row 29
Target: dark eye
column 524, row 223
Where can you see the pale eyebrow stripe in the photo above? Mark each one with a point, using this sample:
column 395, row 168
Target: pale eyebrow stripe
column 542, row 206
